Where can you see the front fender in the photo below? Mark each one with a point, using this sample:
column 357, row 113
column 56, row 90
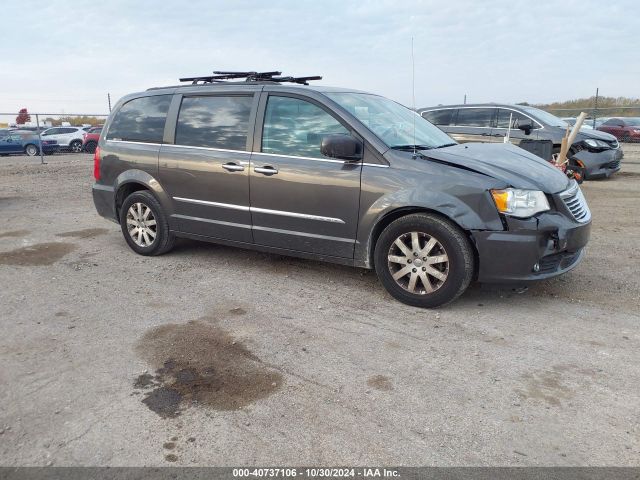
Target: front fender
column 462, row 198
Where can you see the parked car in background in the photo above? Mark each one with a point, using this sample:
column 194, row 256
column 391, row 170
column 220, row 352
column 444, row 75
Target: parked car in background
column 23, row 141
column 90, row 139
column 586, row 125
column 625, row 129
column 597, row 153
column 69, row 138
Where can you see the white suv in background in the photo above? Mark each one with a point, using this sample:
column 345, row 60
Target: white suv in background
column 68, row 137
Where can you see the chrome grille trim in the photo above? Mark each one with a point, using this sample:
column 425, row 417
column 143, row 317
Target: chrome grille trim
column 576, row 203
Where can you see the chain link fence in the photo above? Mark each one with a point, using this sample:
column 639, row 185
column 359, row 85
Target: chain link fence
column 33, row 134
column 597, row 116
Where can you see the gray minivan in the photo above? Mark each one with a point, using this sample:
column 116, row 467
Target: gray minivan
column 598, row 153
column 336, row 175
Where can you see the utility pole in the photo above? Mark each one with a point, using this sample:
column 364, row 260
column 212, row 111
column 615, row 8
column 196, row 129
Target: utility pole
column 595, row 108
column 109, row 101
column 465, row 99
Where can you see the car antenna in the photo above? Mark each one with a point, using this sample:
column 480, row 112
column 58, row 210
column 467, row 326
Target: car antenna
column 413, row 98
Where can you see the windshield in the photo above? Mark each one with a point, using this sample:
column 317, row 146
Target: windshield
column 545, row 117
column 633, row 121
column 392, row 122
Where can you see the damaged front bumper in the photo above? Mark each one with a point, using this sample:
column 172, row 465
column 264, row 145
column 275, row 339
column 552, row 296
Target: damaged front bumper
column 537, row 248
column 600, row 164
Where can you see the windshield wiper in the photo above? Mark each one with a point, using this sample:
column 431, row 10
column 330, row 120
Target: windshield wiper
column 446, row 145
column 411, row 148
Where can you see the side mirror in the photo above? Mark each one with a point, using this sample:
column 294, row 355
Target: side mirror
column 526, row 128
column 344, row 147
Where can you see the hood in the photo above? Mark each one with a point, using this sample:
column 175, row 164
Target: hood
column 597, row 134
column 503, row 161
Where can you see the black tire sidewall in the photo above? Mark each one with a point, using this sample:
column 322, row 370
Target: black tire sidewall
column 90, row 147
column 458, row 276
column 162, row 227
column 26, row 150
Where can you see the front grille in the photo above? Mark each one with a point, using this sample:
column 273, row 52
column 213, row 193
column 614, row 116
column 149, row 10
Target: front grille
column 576, row 203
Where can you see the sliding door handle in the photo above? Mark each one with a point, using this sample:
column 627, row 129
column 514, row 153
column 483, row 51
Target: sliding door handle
column 266, row 170
column 232, row 167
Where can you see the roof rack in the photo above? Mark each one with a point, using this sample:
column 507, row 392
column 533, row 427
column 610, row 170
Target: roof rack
column 220, row 77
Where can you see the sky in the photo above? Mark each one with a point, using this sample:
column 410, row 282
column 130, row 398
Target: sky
column 65, row 56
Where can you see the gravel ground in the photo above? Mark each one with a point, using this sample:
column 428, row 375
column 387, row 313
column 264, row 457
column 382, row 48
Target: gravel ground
column 276, row 361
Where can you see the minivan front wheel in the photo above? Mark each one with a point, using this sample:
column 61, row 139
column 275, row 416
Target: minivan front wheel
column 144, row 224
column 424, row 260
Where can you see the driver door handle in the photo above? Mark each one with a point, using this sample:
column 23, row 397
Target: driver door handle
column 232, row 167
column 266, row 170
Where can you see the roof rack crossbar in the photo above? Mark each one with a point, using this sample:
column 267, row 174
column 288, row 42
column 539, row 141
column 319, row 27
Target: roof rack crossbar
column 274, row 76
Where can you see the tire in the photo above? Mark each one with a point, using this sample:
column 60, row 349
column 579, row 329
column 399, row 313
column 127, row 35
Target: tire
column 144, row 243
column 90, row 147
column 626, row 138
column 76, row 146
column 448, row 268
column 31, row 150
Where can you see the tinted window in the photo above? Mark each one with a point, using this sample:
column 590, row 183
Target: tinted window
column 296, row 127
column 215, row 122
column 475, row 117
column 141, row 120
column 440, row 117
column 517, row 119
column 68, row 130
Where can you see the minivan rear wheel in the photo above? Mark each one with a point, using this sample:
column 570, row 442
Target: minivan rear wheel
column 424, row 260
column 144, row 224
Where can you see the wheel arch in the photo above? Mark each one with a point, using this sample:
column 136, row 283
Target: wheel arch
column 388, row 217
column 136, row 180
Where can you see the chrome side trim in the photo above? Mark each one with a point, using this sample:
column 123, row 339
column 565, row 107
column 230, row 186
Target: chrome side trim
column 212, row 149
column 212, row 204
column 378, row 165
column 207, row 220
column 283, row 213
column 304, row 234
column 306, row 216
column 134, row 143
column 329, row 160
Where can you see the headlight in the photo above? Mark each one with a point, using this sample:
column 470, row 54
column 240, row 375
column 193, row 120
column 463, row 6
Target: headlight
column 596, row 143
column 520, row 203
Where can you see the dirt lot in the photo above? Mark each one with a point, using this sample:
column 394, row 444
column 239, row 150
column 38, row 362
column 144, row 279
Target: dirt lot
column 283, row 361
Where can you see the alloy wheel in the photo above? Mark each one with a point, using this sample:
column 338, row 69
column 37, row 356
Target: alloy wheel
column 141, row 224
column 76, row 147
column 32, row 151
column 418, row 263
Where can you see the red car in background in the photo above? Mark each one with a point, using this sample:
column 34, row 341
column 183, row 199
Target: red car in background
column 625, row 129
column 90, row 139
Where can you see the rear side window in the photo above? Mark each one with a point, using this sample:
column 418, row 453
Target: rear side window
column 214, row 122
column 517, row 119
column 440, row 117
column 141, row 120
column 296, row 127
column 475, row 117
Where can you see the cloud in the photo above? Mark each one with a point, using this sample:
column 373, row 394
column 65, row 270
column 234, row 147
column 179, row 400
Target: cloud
column 68, row 57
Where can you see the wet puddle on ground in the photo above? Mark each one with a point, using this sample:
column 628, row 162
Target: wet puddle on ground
column 15, row 234
column 380, row 382
column 201, row 364
column 86, row 233
column 39, row 254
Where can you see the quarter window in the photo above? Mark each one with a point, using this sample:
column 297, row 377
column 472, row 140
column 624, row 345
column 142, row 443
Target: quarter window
column 296, row 127
column 214, row 122
column 475, row 117
column 440, row 117
column 141, row 120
